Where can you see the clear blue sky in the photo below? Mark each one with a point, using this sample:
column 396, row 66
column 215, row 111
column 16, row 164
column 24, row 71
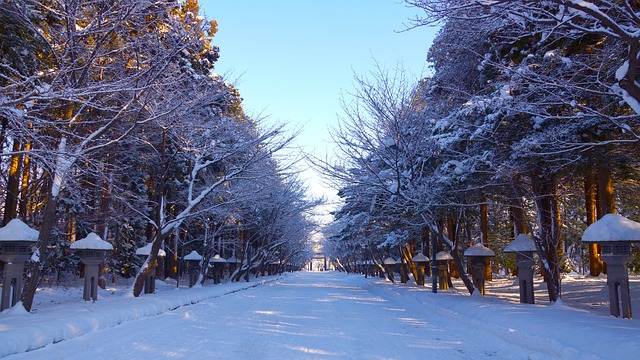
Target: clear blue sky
column 292, row 59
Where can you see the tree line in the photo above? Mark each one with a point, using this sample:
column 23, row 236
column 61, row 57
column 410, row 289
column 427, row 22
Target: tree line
column 113, row 122
column 527, row 124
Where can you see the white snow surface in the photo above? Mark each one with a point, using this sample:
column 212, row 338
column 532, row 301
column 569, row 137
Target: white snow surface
column 420, row 258
column 91, row 242
column 193, row 255
column 146, row 250
column 522, row 243
column 217, row 258
column 612, row 227
column 443, row 255
column 321, row 315
column 478, row 250
column 18, row 230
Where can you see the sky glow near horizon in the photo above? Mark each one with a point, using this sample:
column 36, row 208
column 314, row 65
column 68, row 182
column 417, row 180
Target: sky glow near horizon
column 292, row 61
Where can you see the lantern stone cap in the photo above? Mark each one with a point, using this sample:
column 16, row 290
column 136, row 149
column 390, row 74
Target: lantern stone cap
column 478, row 250
column 217, row 259
column 146, row 250
column 612, row 228
column 16, row 230
column 522, row 243
column 389, row 261
column 443, row 255
column 420, row 257
column 91, row 242
column 193, row 255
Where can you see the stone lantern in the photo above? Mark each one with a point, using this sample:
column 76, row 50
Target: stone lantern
column 92, row 249
column 478, row 255
column 615, row 233
column 193, row 264
column 389, row 264
column 233, row 264
column 218, row 267
column 16, row 239
column 150, row 280
column 524, row 248
column 442, row 260
column 272, row 267
column 421, row 264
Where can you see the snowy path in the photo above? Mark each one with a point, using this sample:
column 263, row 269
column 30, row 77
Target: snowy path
column 339, row 316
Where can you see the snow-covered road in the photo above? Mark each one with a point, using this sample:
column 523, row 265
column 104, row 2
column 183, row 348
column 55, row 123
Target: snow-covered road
column 331, row 315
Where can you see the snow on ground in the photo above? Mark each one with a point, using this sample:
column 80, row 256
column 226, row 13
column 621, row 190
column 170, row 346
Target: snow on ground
column 322, row 315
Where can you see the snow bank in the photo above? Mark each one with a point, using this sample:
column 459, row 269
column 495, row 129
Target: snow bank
column 91, row 242
column 21, row 332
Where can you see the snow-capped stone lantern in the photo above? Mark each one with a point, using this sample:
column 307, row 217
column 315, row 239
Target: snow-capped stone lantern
column 92, row 249
column 233, row 264
column 389, row 264
column 421, row 263
column 524, row 248
column 218, row 267
column 16, row 239
column 615, row 233
column 442, row 260
column 150, row 280
column 478, row 255
column 193, row 265
column 272, row 267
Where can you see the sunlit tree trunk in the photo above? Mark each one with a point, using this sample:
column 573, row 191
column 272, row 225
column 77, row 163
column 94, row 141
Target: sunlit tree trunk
column 606, row 200
column 23, row 207
column 484, row 232
column 13, row 184
column 595, row 263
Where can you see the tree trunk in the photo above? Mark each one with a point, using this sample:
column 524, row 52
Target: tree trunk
column 23, row 210
column 544, row 188
column 484, row 233
column 455, row 264
column 595, row 263
column 171, row 260
column 148, row 265
column 425, row 236
column 13, row 184
column 605, row 201
column 35, row 268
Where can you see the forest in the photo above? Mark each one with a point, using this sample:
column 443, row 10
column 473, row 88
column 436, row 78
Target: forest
column 115, row 123
column 528, row 124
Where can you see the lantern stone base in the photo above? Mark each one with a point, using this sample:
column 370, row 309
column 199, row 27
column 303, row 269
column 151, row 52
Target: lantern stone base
column 618, row 283
column 91, row 276
column 477, row 273
column 443, row 276
column 525, row 278
column 12, row 280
